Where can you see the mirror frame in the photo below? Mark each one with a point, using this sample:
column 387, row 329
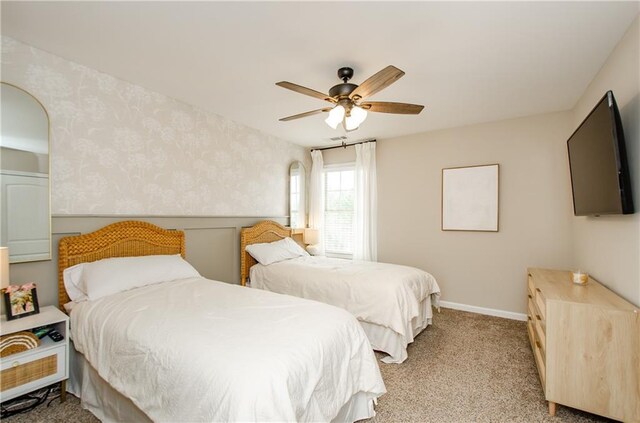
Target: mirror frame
column 303, row 189
column 50, row 256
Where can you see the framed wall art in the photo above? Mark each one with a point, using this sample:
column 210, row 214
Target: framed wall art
column 470, row 198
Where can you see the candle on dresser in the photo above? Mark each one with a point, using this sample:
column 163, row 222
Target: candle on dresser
column 579, row 278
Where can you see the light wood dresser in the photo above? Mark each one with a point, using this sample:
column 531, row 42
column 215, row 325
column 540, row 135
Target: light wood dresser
column 586, row 344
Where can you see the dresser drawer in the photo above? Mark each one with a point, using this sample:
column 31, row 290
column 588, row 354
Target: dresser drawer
column 535, row 294
column 537, row 323
column 539, row 329
column 33, row 369
column 531, row 310
column 540, row 303
column 532, row 337
column 540, row 362
column 531, row 289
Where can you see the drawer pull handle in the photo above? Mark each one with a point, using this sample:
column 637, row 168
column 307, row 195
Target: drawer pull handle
column 538, row 317
column 538, row 345
column 16, row 364
column 538, row 289
column 529, row 296
column 529, row 317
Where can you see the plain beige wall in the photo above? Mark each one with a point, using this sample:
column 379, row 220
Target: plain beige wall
column 608, row 247
column 484, row 269
column 340, row 155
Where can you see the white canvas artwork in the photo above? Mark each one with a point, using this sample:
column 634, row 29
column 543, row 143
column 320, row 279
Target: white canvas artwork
column 470, row 198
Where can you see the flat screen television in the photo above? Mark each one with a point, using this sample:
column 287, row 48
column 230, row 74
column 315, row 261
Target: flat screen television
column 598, row 162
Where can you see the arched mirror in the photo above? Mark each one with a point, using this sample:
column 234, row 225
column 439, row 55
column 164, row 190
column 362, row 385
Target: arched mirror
column 25, row 222
column 297, row 195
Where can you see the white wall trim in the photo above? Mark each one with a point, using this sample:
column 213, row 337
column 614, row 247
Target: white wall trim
column 487, row 311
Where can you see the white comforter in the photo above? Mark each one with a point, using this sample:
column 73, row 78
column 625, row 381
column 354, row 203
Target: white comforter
column 200, row 350
column 385, row 294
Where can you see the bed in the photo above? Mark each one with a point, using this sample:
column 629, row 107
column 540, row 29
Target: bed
column 194, row 349
column 393, row 303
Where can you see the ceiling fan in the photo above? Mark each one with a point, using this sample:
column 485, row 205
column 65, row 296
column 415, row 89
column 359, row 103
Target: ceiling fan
column 349, row 105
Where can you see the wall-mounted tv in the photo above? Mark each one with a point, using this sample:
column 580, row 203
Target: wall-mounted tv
column 598, row 162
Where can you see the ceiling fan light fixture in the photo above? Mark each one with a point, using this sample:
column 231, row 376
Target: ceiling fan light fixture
column 359, row 113
column 350, row 124
column 335, row 116
column 355, row 118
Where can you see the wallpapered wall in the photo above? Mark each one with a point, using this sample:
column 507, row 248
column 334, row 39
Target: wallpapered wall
column 117, row 148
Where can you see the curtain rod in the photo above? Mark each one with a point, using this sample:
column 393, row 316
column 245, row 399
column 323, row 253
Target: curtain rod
column 343, row 145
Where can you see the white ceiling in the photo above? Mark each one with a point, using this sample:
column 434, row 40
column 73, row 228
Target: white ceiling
column 467, row 62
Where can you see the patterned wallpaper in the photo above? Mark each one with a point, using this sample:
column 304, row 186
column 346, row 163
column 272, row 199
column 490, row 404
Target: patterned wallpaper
column 117, row 148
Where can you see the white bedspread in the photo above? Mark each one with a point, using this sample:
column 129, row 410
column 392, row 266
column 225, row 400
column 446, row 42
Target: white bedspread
column 200, row 350
column 385, row 294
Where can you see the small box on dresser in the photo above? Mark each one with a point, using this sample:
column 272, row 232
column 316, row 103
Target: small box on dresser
column 45, row 365
column 586, row 345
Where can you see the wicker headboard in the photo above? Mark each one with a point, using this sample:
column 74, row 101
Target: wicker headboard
column 123, row 239
column 265, row 231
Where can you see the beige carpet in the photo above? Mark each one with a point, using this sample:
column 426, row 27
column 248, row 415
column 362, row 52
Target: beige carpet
column 469, row 368
column 464, row 368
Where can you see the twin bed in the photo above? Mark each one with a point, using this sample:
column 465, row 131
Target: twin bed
column 393, row 303
column 155, row 341
column 193, row 349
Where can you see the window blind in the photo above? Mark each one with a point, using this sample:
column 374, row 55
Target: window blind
column 338, row 214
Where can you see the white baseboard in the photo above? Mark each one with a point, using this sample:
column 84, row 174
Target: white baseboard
column 482, row 310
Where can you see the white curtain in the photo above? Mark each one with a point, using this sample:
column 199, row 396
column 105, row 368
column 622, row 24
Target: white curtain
column 316, row 197
column 365, row 246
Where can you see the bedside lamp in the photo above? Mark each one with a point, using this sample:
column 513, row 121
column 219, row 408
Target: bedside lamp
column 311, row 237
column 4, row 267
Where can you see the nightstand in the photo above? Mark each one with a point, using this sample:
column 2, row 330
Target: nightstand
column 45, row 365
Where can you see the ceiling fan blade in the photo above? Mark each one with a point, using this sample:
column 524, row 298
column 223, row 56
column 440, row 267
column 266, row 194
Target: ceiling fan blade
column 388, row 107
column 305, row 114
column 304, row 90
column 377, row 82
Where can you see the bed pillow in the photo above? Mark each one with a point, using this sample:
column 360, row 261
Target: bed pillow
column 273, row 252
column 295, row 248
column 110, row 276
column 72, row 278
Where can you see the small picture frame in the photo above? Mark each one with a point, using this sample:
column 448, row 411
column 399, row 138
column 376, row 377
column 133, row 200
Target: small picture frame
column 21, row 301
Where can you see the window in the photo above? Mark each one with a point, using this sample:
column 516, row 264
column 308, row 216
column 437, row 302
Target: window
column 338, row 209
